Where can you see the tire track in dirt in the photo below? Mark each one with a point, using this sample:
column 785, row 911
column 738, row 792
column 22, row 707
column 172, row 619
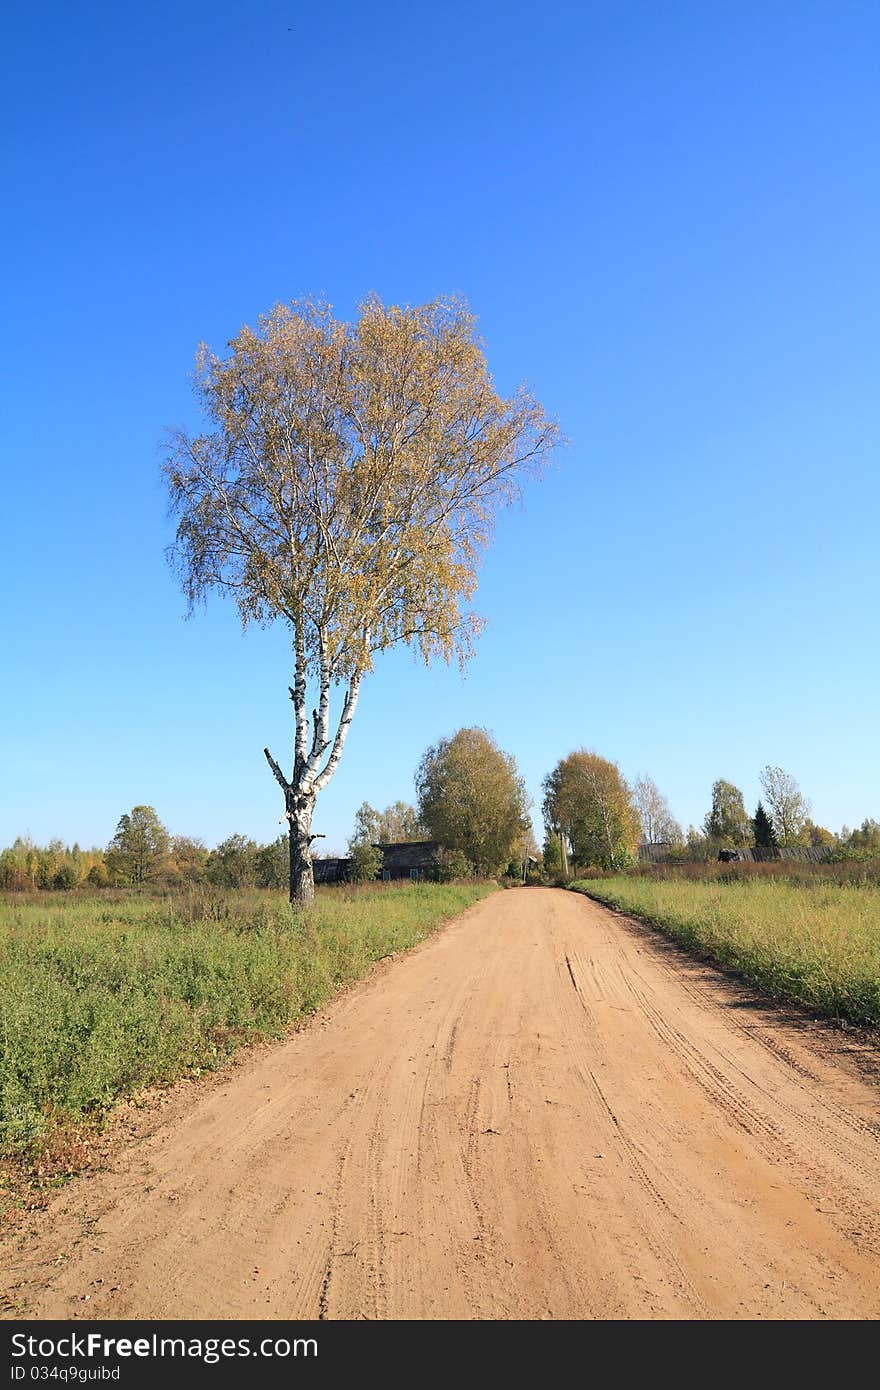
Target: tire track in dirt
column 805, row 1114
column 540, row 1112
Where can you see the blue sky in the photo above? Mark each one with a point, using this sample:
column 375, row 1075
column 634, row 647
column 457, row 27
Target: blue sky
column 666, row 217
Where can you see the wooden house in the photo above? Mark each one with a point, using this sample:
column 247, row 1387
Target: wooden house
column 414, row 859
column 331, row 870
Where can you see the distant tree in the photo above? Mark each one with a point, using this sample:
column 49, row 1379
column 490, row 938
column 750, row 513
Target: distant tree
column 24, row 865
column 587, row 800
column 728, row 822
column 787, row 805
column 816, row 836
column 472, row 799
column 138, row 849
column 697, row 847
column 347, row 484
column 12, row 877
column 527, row 852
column 97, row 877
column 19, row 865
column 366, row 862
column 659, row 826
column 398, row 822
column 762, row 828
column 233, row 864
column 366, row 826
column 864, row 841
column 65, row 876
column 188, row 859
column 77, row 865
column 273, row 864
column 552, row 855
column 50, row 861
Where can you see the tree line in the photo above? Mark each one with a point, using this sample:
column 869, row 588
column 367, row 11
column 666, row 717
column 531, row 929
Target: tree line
column 471, row 799
column 594, row 819
column 780, row 819
column 143, row 853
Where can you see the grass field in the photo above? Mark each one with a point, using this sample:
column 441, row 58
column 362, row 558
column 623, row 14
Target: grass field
column 103, row 995
column 814, row 943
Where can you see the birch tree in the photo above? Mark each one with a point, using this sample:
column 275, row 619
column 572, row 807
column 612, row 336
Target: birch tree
column 659, row 826
column 728, row 822
column 398, row 822
column 587, row 801
column 346, row 485
column 472, row 799
column 787, row 804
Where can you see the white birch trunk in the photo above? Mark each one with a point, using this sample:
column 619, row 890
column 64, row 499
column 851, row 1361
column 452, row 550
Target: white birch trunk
column 301, row 791
column 302, row 878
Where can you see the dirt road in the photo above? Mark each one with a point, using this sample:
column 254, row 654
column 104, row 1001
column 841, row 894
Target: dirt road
column 542, row 1112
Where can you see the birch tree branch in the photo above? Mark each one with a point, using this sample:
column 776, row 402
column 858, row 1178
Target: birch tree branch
column 279, row 775
column 346, row 717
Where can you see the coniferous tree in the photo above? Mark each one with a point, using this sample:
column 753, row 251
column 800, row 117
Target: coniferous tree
column 765, row 835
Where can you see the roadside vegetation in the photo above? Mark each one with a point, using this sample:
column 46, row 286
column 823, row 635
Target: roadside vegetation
column 811, row 937
column 775, row 897
column 102, row 994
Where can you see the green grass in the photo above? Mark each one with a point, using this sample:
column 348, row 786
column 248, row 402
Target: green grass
column 103, row 995
column 817, row 945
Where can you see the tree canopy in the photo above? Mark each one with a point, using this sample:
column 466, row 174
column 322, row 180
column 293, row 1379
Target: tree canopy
column 865, row 840
column 233, row 864
column 138, row 848
column 347, row 484
column 366, row 862
column 472, row 799
column 816, row 836
column 787, row 805
column 659, row 826
column 587, row 800
column 728, row 822
column 398, row 822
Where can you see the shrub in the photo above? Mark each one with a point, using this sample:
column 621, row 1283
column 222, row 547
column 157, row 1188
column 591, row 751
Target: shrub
column 65, row 877
column 453, row 865
column 366, row 863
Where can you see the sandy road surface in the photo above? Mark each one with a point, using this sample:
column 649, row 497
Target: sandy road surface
column 542, row 1112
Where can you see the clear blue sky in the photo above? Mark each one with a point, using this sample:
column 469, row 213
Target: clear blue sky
column 667, row 218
